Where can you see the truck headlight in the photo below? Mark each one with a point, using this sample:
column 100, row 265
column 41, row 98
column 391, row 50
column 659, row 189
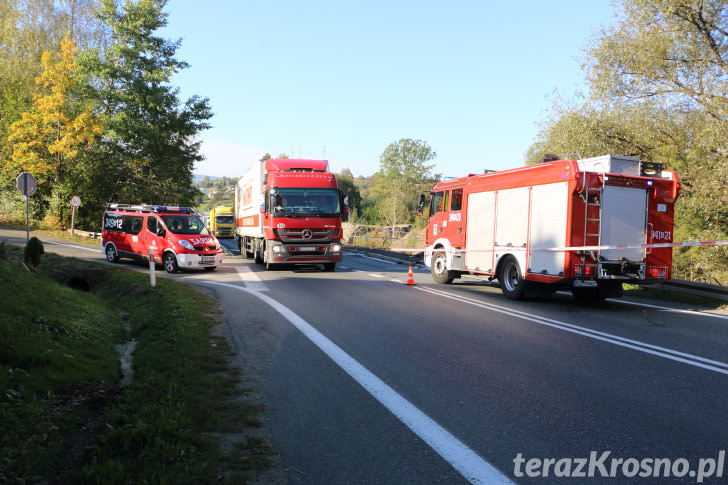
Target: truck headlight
column 277, row 249
column 336, row 248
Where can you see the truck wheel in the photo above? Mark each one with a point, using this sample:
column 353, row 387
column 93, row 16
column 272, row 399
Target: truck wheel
column 244, row 248
column 111, row 255
column 511, row 279
column 439, row 269
column 329, row 266
column 259, row 249
column 170, row 263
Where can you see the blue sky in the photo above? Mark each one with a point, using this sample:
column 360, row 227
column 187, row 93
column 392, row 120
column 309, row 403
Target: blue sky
column 341, row 80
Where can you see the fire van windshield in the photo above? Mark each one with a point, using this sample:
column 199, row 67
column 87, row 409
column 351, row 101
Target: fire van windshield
column 184, row 224
column 307, row 202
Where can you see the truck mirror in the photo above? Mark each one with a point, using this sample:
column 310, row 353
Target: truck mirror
column 421, row 205
column 344, row 204
column 161, row 232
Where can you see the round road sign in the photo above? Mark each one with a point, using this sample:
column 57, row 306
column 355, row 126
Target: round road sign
column 75, row 201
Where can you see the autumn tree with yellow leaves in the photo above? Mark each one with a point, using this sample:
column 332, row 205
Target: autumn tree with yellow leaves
column 51, row 140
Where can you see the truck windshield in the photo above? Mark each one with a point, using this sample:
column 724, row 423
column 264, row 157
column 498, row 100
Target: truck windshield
column 185, row 224
column 308, row 202
column 224, row 219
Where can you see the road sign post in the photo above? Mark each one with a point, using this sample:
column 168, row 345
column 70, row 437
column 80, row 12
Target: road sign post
column 26, row 185
column 75, row 204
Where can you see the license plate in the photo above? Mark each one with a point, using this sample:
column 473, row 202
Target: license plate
column 208, row 260
column 307, row 248
column 585, row 284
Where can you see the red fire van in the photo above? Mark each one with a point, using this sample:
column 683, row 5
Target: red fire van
column 176, row 237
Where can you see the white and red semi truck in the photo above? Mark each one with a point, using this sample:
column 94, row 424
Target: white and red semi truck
column 289, row 211
column 587, row 226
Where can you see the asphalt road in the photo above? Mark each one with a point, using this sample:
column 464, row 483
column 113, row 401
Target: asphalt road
column 369, row 380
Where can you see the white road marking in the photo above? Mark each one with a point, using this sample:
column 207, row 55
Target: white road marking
column 669, row 309
column 372, row 257
column 250, row 279
column 468, row 463
column 75, row 246
column 702, row 313
column 663, row 352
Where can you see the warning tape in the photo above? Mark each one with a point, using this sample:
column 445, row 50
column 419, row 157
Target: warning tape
column 638, row 246
column 581, row 248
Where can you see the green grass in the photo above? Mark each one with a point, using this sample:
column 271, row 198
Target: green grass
column 63, row 416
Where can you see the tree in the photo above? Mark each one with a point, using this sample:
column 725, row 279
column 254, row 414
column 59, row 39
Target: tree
column 27, row 29
column 350, row 190
column 49, row 140
column 403, row 173
column 659, row 90
column 150, row 145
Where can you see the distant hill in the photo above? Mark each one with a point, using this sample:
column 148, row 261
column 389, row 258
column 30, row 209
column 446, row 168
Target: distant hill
column 198, row 178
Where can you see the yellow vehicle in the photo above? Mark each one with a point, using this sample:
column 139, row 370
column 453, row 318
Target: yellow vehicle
column 222, row 221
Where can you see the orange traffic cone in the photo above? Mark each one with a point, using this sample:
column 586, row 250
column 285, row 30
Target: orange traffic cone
column 411, row 280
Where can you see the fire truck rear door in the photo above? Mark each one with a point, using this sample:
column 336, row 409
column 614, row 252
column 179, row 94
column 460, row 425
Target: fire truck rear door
column 623, row 221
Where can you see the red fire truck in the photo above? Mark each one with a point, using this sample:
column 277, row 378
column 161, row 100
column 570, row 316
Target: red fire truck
column 585, row 225
column 289, row 211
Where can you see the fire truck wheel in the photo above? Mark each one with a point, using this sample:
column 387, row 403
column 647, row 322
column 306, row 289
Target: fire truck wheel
column 329, row 266
column 170, row 263
column 511, row 279
column 439, row 269
column 111, row 255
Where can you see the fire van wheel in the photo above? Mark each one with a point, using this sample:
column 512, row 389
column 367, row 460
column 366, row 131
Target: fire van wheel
column 111, row 255
column 439, row 269
column 210, row 268
column 170, row 263
column 511, row 279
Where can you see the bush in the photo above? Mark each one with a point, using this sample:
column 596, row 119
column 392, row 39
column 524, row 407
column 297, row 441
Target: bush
column 2, row 250
column 33, row 251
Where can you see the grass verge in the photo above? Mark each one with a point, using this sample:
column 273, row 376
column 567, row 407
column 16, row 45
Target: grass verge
column 63, row 415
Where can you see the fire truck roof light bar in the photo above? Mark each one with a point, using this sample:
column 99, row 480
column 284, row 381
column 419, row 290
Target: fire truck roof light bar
column 149, row 208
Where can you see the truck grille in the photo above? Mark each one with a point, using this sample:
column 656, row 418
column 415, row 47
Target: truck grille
column 306, row 236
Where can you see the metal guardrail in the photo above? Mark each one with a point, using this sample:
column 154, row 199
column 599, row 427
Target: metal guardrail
column 686, row 287
column 92, row 235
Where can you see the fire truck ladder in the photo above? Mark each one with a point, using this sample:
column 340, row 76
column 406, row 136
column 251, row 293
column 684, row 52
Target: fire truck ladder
column 592, row 224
